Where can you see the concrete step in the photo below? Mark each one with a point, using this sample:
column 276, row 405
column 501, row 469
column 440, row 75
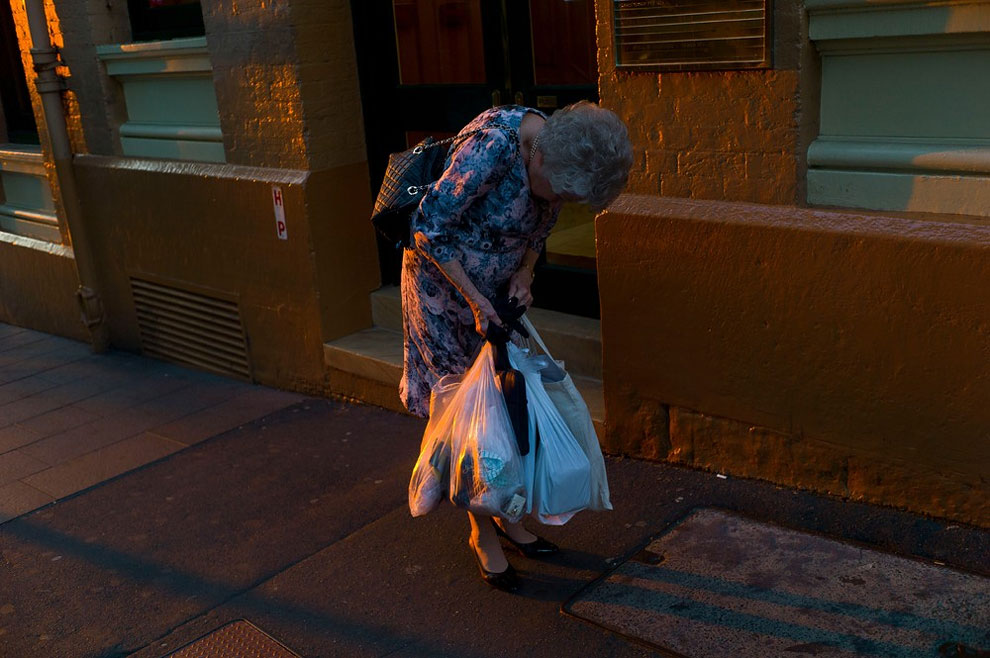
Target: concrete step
column 367, row 366
column 575, row 340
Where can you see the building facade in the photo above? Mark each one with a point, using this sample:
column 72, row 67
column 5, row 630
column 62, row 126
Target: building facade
column 792, row 288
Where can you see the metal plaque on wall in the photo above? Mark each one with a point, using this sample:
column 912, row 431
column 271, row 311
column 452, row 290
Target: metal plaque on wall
column 692, row 35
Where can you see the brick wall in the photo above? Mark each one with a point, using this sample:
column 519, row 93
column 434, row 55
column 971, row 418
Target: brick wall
column 730, row 135
column 94, row 104
column 286, row 80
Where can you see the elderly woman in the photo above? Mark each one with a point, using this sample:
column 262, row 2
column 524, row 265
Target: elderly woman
column 482, row 226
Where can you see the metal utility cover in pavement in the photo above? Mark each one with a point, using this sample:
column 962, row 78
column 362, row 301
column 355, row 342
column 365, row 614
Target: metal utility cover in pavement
column 239, row 638
column 718, row 585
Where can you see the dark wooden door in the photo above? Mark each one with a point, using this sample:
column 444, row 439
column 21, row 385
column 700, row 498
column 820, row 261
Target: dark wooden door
column 427, row 67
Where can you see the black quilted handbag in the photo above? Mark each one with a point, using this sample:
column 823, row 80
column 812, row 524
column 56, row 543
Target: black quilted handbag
column 407, row 179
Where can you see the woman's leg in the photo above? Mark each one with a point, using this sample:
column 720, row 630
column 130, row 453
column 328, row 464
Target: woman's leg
column 516, row 532
column 485, row 543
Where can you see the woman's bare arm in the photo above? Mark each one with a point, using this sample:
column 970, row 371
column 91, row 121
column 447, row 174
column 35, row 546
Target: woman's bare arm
column 522, row 279
column 482, row 308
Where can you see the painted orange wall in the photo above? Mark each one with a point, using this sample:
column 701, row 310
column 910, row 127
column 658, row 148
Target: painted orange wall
column 835, row 351
column 213, row 227
column 841, row 352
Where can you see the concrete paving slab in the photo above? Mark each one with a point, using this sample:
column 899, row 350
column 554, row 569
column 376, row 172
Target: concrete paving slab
column 132, row 389
column 240, row 409
column 10, row 329
column 19, row 339
column 49, row 399
column 23, row 387
column 13, row 437
column 24, row 408
column 42, row 352
column 128, row 411
column 719, row 584
column 100, row 465
column 78, row 441
column 58, row 367
column 57, row 420
column 16, row 498
column 15, row 465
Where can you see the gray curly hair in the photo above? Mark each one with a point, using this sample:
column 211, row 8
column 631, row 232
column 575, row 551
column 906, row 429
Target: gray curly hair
column 587, row 153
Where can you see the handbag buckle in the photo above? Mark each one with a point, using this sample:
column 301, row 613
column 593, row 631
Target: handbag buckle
column 412, row 190
column 418, row 149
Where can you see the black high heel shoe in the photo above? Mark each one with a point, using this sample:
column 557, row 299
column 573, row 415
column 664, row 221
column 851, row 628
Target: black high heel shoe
column 537, row 548
column 507, row 581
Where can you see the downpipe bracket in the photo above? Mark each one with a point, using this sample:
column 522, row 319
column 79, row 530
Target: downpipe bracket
column 46, row 62
column 94, row 317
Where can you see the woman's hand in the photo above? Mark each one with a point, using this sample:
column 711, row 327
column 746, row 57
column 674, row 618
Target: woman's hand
column 520, row 285
column 484, row 313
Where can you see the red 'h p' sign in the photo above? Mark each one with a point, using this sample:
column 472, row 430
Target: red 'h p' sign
column 280, row 229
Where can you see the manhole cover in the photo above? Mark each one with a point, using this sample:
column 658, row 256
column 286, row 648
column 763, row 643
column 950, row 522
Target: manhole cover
column 238, row 639
column 718, row 585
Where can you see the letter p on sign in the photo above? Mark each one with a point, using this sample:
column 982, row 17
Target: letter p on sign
column 280, row 230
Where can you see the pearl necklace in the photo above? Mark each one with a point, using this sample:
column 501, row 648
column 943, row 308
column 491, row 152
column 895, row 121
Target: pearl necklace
column 535, row 145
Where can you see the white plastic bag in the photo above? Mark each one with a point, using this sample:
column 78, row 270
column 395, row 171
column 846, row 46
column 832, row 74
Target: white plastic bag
column 562, row 474
column 470, row 436
column 573, row 409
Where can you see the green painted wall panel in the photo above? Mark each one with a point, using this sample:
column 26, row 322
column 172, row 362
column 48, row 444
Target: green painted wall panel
column 964, row 195
column 170, row 149
column 846, row 20
column 909, row 94
column 38, row 230
column 172, row 99
column 26, row 191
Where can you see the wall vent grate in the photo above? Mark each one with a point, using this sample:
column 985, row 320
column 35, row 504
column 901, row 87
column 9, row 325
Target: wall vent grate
column 691, row 35
column 191, row 328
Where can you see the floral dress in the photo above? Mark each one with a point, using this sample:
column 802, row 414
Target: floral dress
column 481, row 213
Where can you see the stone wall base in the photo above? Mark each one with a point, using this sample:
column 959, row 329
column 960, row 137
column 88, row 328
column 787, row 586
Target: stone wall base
column 739, row 449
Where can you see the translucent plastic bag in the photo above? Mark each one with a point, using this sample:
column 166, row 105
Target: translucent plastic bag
column 562, row 475
column 430, row 477
column 573, row 409
column 470, row 440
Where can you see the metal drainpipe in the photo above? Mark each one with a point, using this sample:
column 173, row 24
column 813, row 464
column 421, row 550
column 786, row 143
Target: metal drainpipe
column 50, row 88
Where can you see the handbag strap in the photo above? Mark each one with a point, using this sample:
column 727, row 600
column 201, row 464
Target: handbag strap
column 449, row 140
column 413, row 190
column 534, row 334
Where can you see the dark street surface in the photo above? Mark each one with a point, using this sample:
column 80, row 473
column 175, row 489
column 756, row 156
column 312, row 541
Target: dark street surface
column 298, row 523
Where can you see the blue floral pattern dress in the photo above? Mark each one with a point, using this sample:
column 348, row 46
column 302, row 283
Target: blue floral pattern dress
column 481, row 213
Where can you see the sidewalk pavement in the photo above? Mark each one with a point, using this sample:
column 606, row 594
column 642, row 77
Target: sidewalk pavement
column 70, row 419
column 297, row 522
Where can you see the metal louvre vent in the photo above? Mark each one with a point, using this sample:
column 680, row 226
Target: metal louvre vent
column 191, row 328
column 690, row 35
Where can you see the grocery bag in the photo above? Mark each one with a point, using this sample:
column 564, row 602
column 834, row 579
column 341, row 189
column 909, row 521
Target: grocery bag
column 430, row 477
column 470, row 439
column 562, row 473
column 573, row 409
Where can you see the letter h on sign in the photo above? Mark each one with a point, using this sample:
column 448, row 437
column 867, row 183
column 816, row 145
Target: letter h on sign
column 280, row 230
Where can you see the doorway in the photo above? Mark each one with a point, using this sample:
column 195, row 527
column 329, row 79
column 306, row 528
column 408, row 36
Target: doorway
column 427, row 67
